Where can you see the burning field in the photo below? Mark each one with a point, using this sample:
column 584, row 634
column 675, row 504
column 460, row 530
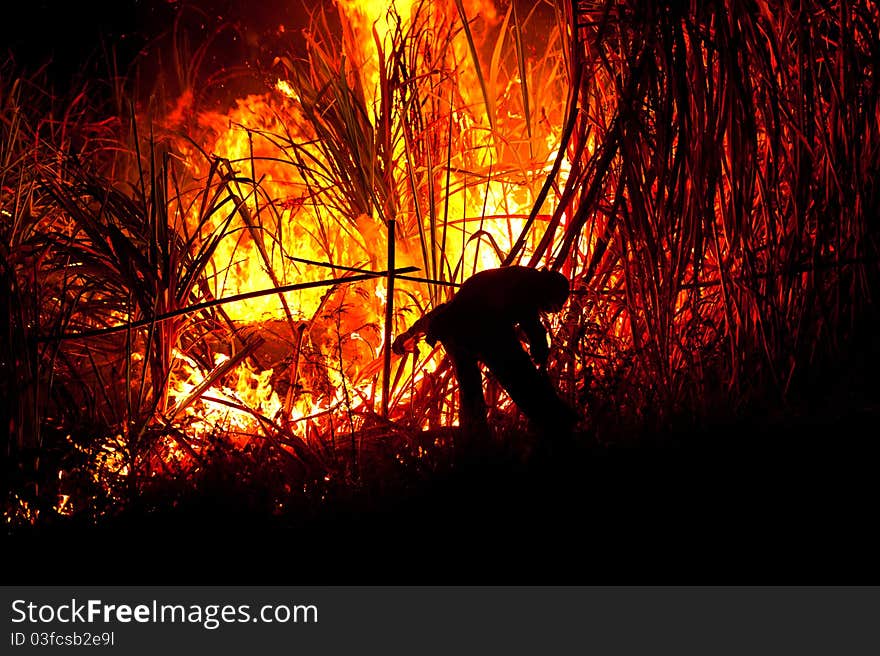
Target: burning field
column 205, row 259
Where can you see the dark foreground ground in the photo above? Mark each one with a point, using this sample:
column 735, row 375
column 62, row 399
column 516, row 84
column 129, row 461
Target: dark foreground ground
column 790, row 500
column 784, row 493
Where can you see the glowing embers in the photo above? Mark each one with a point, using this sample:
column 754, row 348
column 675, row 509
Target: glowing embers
column 232, row 401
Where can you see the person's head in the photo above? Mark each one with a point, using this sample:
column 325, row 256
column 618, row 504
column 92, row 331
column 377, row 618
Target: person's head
column 555, row 292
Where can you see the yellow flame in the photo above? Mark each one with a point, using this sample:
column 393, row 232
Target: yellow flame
column 336, row 363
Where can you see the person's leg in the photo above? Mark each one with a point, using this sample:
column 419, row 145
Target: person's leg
column 472, row 404
column 530, row 389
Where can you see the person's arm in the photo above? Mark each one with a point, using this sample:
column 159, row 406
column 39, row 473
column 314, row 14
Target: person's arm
column 537, row 337
column 407, row 342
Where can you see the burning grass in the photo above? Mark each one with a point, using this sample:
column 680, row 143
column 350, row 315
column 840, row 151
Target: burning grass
column 706, row 176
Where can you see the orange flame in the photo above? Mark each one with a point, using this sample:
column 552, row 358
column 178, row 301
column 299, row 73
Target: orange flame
column 331, row 338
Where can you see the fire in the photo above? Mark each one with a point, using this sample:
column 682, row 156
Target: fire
column 459, row 189
column 218, row 277
column 365, row 19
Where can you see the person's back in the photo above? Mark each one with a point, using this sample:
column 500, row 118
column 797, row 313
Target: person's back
column 498, row 299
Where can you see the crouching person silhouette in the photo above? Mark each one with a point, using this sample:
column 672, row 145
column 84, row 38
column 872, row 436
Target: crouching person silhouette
column 479, row 325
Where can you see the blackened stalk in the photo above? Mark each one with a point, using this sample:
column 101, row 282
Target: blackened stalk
column 389, row 314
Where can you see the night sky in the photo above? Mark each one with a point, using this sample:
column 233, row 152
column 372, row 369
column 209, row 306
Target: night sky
column 67, row 35
column 74, row 38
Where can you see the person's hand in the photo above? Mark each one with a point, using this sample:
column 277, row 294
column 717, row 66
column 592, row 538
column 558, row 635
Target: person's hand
column 404, row 344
